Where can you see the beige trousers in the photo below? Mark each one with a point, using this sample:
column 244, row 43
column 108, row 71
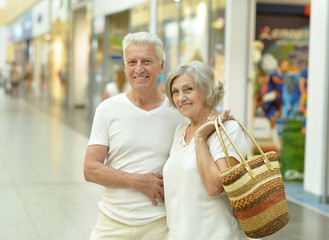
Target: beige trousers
column 107, row 228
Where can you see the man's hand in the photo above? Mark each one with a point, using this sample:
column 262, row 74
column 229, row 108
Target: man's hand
column 151, row 185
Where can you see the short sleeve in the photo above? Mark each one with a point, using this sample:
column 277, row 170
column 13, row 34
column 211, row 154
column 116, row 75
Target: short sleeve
column 100, row 129
column 304, row 73
column 238, row 137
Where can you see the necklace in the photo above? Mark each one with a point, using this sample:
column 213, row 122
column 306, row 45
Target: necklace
column 210, row 115
column 182, row 140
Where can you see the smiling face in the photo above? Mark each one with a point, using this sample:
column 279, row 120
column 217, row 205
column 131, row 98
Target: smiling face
column 142, row 66
column 187, row 98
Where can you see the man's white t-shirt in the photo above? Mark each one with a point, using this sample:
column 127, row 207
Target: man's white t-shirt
column 139, row 141
column 191, row 212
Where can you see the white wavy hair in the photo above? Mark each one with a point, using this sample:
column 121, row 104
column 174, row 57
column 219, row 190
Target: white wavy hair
column 144, row 38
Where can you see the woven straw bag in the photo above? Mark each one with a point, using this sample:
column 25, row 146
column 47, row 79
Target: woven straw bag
column 255, row 189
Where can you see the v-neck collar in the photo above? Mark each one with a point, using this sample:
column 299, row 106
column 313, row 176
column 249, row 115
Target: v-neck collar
column 150, row 112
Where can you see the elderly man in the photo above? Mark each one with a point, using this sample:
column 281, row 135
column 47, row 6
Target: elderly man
column 133, row 132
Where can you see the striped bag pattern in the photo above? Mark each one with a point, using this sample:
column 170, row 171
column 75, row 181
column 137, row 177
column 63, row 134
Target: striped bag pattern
column 256, row 190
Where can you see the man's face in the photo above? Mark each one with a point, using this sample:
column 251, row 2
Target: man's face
column 284, row 65
column 142, row 66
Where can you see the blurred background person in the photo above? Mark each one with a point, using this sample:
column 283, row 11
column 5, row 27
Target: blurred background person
column 28, row 78
column 16, row 73
column 119, row 85
column 273, row 99
column 5, row 77
column 302, row 84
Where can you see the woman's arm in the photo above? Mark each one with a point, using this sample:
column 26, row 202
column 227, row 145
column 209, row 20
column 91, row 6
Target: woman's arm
column 208, row 168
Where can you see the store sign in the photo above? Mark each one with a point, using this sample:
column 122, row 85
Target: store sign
column 40, row 18
column 76, row 3
column 59, row 10
column 284, row 35
column 10, row 34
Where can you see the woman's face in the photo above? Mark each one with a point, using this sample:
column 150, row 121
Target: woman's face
column 187, row 98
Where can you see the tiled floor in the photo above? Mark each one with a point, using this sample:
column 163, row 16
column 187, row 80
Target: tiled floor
column 43, row 194
column 42, row 191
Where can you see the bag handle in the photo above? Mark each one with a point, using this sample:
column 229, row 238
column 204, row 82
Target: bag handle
column 219, row 122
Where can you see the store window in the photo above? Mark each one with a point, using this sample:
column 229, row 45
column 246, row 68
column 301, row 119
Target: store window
column 97, row 59
column 118, row 25
column 217, row 36
column 192, row 30
column 195, row 35
column 107, row 45
column 168, row 30
column 140, row 18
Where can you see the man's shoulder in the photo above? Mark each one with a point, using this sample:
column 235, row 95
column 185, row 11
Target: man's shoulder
column 171, row 110
column 112, row 102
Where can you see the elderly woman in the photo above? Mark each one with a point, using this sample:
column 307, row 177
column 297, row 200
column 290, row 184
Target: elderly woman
column 197, row 206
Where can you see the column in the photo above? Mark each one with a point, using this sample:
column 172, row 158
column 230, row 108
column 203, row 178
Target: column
column 238, row 37
column 317, row 143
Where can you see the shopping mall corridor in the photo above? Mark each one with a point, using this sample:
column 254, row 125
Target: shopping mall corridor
column 43, row 194
column 42, row 189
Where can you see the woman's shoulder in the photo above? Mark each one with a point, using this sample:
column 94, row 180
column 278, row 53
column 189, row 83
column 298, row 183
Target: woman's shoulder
column 231, row 124
column 181, row 127
column 233, row 128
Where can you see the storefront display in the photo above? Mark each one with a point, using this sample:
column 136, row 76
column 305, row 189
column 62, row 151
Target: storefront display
column 281, row 36
column 216, row 37
column 193, row 30
column 120, row 24
column 97, row 60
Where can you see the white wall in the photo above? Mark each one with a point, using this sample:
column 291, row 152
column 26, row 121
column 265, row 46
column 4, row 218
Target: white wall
column 107, row 7
column 80, row 59
column 236, row 58
column 40, row 18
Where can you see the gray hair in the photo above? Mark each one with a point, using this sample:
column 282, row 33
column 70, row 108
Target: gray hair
column 204, row 81
column 144, row 38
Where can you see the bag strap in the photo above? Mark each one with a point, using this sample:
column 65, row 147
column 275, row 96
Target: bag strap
column 219, row 122
column 222, row 143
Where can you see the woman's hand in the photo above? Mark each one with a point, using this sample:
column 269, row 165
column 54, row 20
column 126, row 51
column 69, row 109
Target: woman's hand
column 225, row 116
column 208, row 128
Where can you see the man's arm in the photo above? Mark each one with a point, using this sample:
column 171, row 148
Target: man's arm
column 150, row 184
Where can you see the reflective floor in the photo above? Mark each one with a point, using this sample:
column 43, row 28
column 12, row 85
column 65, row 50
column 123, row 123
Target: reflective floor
column 42, row 191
